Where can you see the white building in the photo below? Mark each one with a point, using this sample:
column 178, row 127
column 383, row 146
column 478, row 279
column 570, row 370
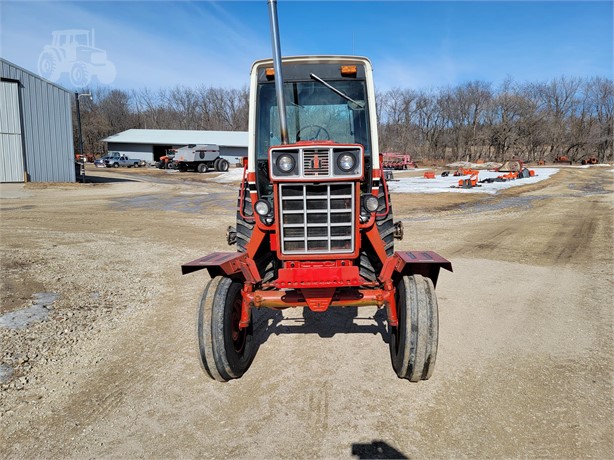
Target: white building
column 151, row 144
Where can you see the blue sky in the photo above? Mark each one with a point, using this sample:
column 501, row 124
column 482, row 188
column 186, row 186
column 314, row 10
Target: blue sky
column 412, row 44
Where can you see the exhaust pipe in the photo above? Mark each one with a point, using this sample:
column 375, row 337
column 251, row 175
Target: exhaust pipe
column 279, row 78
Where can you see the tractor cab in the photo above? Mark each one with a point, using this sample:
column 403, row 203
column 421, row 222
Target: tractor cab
column 327, row 102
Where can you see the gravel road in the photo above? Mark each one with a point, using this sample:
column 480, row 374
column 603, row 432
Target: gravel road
column 109, row 368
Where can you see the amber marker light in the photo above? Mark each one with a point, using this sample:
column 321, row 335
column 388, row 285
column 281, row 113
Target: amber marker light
column 348, row 70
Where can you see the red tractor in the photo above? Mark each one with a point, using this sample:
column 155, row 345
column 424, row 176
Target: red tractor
column 314, row 224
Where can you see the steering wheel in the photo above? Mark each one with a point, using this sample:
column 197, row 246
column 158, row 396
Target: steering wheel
column 314, row 131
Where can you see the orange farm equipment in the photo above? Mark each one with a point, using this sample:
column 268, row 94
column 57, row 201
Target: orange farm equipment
column 314, row 222
column 166, row 161
column 562, row 159
column 472, row 181
column 523, row 174
column 397, row 161
column 590, row 161
column 466, row 172
column 87, row 158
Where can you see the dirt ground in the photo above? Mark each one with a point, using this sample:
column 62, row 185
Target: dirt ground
column 525, row 365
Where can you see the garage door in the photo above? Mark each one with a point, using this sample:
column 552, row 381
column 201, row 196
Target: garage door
column 11, row 154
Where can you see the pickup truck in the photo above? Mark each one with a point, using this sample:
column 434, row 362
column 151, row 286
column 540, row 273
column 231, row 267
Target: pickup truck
column 116, row 159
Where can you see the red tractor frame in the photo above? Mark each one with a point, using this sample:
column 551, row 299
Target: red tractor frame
column 314, row 224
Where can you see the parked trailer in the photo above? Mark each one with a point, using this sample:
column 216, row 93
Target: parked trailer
column 201, row 158
column 314, row 224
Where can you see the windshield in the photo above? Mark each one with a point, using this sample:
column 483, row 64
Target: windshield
column 81, row 39
column 315, row 113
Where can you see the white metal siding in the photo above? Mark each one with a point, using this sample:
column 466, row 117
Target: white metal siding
column 136, row 151
column 11, row 153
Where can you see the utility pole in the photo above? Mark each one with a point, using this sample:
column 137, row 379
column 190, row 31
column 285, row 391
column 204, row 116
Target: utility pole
column 77, row 96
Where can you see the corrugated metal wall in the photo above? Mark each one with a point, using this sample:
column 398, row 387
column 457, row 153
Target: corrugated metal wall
column 11, row 145
column 46, row 120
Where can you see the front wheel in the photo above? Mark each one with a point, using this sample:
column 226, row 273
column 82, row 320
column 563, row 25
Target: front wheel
column 202, row 168
column 223, row 165
column 48, row 65
column 413, row 343
column 80, row 75
column 225, row 351
column 116, row 165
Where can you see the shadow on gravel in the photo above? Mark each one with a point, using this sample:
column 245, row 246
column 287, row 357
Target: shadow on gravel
column 194, row 204
column 377, row 449
column 589, row 188
column 93, row 179
column 335, row 320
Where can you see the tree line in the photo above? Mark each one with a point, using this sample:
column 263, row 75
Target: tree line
column 571, row 117
column 204, row 108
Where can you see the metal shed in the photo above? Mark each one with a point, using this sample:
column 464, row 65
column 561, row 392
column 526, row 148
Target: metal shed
column 151, row 144
column 36, row 140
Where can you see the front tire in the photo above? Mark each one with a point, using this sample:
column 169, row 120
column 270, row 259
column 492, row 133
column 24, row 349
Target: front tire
column 202, row 168
column 225, row 351
column 413, row 343
column 80, row 75
column 222, row 165
column 48, row 65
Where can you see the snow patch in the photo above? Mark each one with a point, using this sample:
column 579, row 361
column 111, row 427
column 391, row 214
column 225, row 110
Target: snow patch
column 23, row 318
column 445, row 184
column 232, row 175
column 6, row 372
column 437, row 185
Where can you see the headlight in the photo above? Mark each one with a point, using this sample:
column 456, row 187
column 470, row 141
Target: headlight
column 262, row 207
column 346, row 162
column 285, row 163
column 371, row 203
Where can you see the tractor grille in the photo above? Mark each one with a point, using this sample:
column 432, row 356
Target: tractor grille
column 316, row 162
column 317, row 219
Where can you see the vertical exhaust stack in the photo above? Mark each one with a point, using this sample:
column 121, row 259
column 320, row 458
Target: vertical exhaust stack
column 279, row 78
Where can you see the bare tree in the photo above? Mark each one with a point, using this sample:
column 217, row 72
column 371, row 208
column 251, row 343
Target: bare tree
column 600, row 99
column 558, row 99
column 565, row 116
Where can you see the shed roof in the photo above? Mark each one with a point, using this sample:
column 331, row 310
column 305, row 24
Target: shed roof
column 9, row 70
column 180, row 137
